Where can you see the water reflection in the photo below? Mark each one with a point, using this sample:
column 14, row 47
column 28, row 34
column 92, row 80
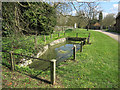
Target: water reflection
column 59, row 52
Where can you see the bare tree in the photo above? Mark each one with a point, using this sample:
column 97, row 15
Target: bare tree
column 91, row 10
column 86, row 11
column 109, row 20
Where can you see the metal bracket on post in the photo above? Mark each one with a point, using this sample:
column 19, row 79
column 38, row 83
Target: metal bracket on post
column 53, row 71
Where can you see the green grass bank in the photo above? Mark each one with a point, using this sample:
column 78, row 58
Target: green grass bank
column 95, row 67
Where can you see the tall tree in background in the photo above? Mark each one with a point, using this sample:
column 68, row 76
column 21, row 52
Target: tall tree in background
column 91, row 10
column 19, row 17
column 109, row 20
column 81, row 19
column 100, row 16
column 100, row 19
column 86, row 13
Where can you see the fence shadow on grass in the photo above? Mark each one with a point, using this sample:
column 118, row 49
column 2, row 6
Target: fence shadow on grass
column 43, row 80
column 6, row 65
column 32, row 76
column 35, row 76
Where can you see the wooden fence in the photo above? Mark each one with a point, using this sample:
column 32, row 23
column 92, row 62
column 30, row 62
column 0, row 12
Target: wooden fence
column 52, row 62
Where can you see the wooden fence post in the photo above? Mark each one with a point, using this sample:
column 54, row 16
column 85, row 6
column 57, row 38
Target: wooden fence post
column 88, row 38
column 58, row 34
column 76, row 34
column 44, row 38
column 51, row 36
column 64, row 33
column 53, row 71
column 74, row 52
column 81, row 46
column 12, row 60
column 89, row 34
column 35, row 40
column 84, row 42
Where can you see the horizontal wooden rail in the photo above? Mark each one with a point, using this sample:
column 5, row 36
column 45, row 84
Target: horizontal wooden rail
column 27, row 56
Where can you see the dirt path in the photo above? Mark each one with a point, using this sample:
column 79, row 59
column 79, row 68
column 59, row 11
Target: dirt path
column 113, row 35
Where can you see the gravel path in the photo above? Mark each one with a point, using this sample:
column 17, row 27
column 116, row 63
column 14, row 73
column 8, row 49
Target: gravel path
column 113, row 35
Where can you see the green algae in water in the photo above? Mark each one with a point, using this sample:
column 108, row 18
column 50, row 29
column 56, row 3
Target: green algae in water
column 59, row 52
column 62, row 51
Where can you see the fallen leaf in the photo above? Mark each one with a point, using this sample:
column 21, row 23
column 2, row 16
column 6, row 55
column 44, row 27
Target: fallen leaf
column 9, row 84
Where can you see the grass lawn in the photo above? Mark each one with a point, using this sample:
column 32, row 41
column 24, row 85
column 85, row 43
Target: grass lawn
column 95, row 67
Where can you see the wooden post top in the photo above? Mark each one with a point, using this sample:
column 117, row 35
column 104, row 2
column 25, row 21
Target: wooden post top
column 11, row 51
column 53, row 60
column 74, row 45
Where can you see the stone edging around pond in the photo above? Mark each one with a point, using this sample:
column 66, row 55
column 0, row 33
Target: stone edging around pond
column 45, row 48
column 61, row 40
column 25, row 62
column 57, row 41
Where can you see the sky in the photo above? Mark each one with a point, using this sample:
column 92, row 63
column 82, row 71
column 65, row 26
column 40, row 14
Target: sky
column 108, row 6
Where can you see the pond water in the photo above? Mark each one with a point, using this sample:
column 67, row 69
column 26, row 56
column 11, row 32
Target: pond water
column 60, row 52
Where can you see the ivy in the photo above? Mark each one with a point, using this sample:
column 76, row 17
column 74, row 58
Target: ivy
column 29, row 17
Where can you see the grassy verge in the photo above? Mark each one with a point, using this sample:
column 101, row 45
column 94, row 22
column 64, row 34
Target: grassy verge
column 95, row 67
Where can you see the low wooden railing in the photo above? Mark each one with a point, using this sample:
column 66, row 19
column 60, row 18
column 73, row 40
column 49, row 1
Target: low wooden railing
column 52, row 62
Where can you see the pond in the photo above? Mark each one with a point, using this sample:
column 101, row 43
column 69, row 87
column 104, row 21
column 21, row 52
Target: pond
column 60, row 52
